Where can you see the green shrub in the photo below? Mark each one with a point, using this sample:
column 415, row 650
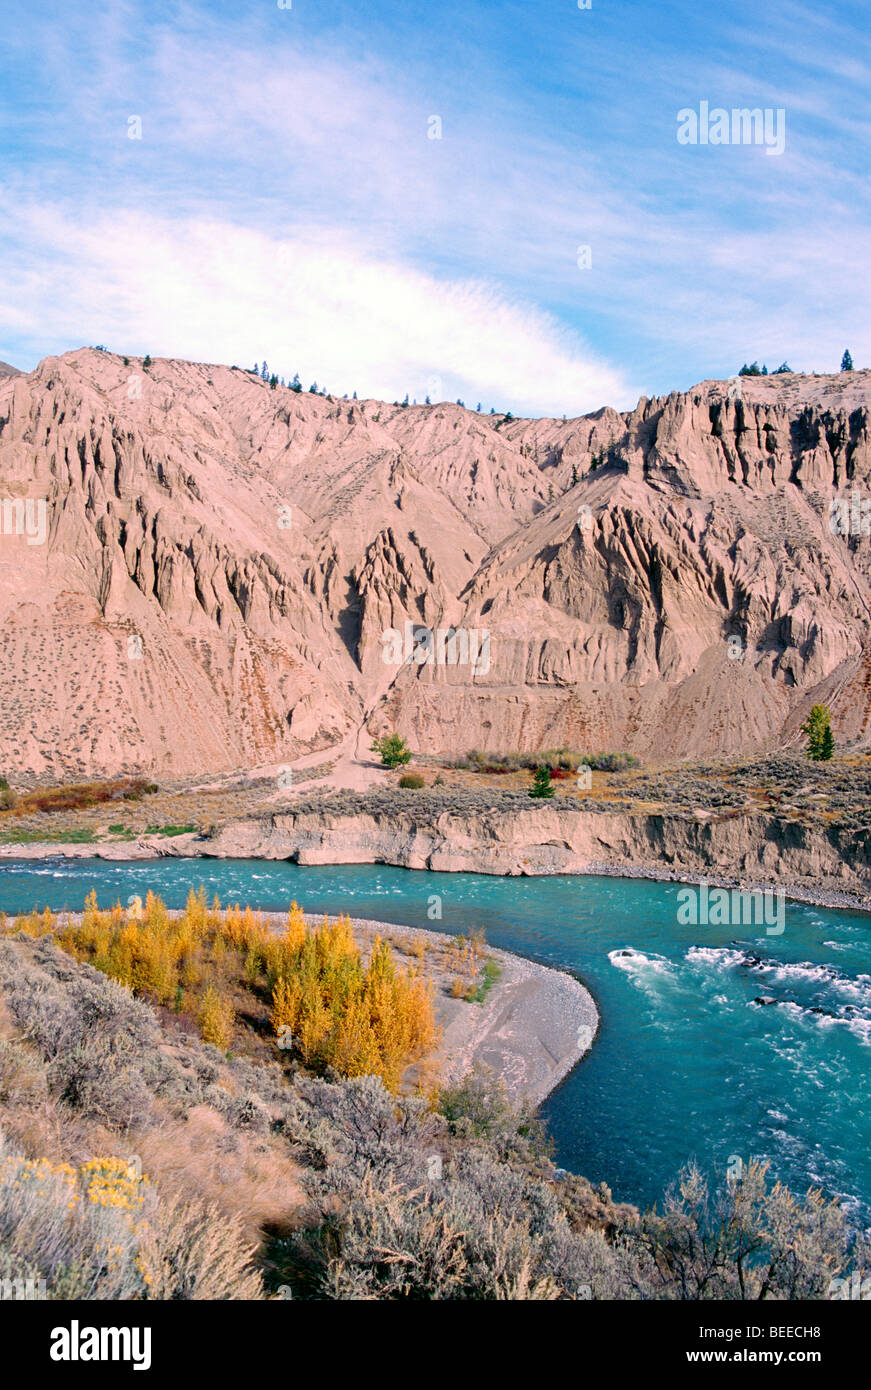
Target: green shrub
column 612, row 762
column 560, row 759
column 412, row 779
column 478, row 1108
column 392, row 750
column 492, row 971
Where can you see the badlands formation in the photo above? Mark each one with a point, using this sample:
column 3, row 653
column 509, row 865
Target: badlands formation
column 222, row 561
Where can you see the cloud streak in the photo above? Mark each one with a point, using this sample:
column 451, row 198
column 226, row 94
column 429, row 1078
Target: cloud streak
column 307, row 133
column 217, row 292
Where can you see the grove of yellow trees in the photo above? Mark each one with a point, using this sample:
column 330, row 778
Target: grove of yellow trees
column 327, row 1004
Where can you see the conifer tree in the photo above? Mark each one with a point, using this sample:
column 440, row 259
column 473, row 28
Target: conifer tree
column 820, row 739
column 541, row 784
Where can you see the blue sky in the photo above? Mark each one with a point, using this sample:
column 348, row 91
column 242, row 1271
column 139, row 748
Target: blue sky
column 286, row 200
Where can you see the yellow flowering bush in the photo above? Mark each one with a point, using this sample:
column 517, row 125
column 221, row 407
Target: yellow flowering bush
column 112, row 1182
column 101, row 1231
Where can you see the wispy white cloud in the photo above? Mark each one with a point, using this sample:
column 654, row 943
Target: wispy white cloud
column 392, row 255
column 218, row 292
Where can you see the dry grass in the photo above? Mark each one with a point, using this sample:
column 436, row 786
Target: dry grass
column 251, row 1177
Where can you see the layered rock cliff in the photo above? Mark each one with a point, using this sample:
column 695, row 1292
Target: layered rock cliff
column 221, row 563
column 823, row 863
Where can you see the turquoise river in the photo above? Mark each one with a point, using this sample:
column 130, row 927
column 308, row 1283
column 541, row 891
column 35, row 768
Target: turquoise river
column 685, row 1064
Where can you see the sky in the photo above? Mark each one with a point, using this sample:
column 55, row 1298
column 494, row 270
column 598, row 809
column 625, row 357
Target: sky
column 453, row 198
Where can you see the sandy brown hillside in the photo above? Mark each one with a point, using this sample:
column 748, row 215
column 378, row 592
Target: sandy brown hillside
column 222, row 560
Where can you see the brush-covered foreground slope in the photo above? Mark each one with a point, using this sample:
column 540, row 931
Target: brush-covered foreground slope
column 210, row 1176
column 222, row 560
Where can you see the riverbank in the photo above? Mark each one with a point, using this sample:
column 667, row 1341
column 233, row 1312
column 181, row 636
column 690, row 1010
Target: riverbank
column 533, row 1025
column 685, row 1056
column 808, row 863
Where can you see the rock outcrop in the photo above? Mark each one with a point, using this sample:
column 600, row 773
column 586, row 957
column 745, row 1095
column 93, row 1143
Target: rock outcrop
column 824, row 864
column 221, row 562
column 755, row 848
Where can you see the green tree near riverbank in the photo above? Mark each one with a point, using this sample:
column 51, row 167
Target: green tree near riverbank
column 541, row 783
column 392, row 750
column 820, row 739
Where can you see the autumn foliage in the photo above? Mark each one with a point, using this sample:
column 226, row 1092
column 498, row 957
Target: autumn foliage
column 327, row 1004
